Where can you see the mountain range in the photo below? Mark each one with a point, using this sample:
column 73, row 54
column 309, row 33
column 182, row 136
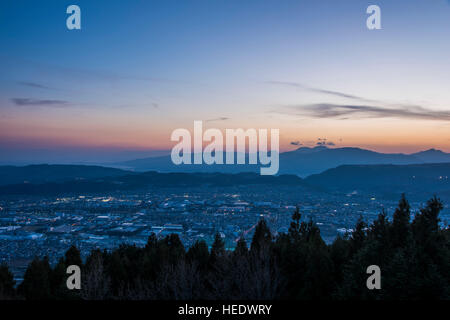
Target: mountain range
column 302, row 162
column 421, row 181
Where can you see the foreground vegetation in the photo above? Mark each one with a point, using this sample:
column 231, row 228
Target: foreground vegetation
column 414, row 257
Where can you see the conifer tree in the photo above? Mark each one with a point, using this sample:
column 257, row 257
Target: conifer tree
column 241, row 249
column 218, row 247
column 36, row 282
column 7, row 283
column 358, row 236
column 294, row 229
column 401, row 234
column 73, row 257
column 262, row 238
column 198, row 253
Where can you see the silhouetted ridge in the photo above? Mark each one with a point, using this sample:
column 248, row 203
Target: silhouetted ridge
column 54, row 173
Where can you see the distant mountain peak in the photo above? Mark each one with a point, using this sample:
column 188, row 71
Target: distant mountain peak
column 432, row 155
column 432, row 150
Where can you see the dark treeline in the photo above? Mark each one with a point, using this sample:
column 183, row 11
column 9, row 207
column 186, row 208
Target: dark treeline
column 414, row 257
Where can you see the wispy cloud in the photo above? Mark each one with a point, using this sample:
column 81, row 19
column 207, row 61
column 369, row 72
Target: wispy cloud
column 370, row 109
column 38, row 102
column 296, row 143
column 218, row 119
column 322, row 91
column 33, row 85
column 338, row 111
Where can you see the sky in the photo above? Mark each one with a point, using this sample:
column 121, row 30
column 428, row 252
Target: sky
column 137, row 70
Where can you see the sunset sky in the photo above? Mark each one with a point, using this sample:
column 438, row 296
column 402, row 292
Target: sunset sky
column 137, row 70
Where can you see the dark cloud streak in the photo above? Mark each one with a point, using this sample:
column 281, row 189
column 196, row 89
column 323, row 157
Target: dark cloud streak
column 217, row 119
column 326, row 110
column 323, row 91
column 37, row 102
column 33, row 85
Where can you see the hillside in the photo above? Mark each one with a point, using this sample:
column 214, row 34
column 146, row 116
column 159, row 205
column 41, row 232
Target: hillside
column 423, row 179
column 54, row 173
column 147, row 180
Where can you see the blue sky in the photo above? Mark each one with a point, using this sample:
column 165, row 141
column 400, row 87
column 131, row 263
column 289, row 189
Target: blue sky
column 137, row 70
